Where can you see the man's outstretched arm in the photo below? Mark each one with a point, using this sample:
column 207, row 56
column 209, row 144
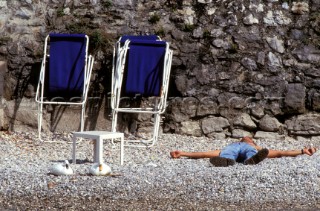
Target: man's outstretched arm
column 195, row 155
column 291, row 153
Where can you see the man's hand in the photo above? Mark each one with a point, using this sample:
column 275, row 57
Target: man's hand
column 309, row 150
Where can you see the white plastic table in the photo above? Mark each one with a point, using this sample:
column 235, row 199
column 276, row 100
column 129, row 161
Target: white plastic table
column 98, row 136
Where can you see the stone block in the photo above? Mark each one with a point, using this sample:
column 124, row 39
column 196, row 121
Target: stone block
column 3, row 68
column 295, row 98
column 304, row 125
column 239, row 133
column 269, row 124
column 1, row 118
column 268, row 136
column 23, row 112
column 191, row 128
column 214, row 124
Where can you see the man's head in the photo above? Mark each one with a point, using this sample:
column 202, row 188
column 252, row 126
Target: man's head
column 248, row 140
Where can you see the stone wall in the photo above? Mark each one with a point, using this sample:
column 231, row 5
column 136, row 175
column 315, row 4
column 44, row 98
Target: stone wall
column 239, row 68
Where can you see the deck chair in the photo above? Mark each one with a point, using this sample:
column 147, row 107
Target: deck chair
column 141, row 66
column 65, row 73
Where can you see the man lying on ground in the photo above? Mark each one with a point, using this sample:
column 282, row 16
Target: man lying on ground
column 246, row 151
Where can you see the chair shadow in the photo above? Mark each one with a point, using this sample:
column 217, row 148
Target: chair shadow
column 78, row 161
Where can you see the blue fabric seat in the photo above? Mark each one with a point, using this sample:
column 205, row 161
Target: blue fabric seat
column 66, row 66
column 145, row 67
column 138, row 37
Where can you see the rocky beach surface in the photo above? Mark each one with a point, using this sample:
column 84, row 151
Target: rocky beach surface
column 150, row 179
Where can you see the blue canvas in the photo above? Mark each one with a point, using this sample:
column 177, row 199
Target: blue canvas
column 145, row 67
column 138, row 37
column 66, row 65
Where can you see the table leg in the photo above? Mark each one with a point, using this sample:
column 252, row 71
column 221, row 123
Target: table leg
column 98, row 150
column 95, row 151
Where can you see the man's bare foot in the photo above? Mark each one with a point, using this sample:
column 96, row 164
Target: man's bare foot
column 175, row 154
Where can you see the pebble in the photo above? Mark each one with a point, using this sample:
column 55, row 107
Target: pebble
column 150, row 179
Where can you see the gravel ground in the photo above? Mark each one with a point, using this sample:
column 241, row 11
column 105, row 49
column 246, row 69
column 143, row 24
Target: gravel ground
column 150, row 179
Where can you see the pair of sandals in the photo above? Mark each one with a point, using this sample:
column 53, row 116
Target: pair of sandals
column 224, row 162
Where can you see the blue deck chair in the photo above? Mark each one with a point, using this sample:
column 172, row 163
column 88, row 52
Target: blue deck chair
column 65, row 73
column 141, row 66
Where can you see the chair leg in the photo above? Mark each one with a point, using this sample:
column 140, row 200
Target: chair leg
column 156, row 129
column 114, row 121
column 121, row 150
column 74, row 139
column 40, row 108
column 82, row 117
